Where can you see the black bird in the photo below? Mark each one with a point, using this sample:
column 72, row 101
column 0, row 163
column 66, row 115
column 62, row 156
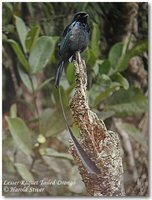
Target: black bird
column 75, row 38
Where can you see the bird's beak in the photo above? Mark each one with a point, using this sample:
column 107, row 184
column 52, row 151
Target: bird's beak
column 85, row 16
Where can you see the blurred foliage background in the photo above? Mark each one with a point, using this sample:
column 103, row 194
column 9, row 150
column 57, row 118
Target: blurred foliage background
column 35, row 139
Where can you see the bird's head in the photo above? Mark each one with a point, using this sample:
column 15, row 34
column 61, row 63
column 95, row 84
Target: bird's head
column 80, row 17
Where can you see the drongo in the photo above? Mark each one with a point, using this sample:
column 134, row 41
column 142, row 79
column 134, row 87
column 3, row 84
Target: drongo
column 75, row 38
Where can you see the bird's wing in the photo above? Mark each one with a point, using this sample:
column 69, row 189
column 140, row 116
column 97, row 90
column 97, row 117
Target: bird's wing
column 63, row 34
column 66, row 38
column 66, row 30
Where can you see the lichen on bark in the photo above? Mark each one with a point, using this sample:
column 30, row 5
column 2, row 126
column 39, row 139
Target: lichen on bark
column 101, row 145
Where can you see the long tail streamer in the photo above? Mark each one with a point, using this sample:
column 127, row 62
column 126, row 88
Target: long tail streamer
column 87, row 162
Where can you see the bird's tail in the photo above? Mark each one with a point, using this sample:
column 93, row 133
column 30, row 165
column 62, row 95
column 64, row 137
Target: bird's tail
column 86, row 161
column 59, row 73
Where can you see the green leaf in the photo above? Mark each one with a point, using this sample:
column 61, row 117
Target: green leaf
column 127, row 102
column 7, row 13
column 104, row 114
column 95, row 69
column 120, row 79
column 135, row 133
column 53, row 153
column 64, row 84
column 45, row 83
column 26, row 80
column 138, row 49
column 19, row 54
column 70, row 89
column 9, row 28
column 41, row 53
column 32, row 37
column 55, row 95
column 86, row 55
column 13, row 111
column 115, row 54
column 21, row 30
column 64, row 95
column 9, row 6
column 105, row 94
column 104, row 67
column 95, row 39
column 21, row 134
column 70, row 73
column 52, row 122
column 92, row 59
column 4, row 37
column 103, row 83
column 123, row 62
column 24, row 172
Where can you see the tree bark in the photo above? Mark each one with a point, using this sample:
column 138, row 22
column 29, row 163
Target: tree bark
column 101, row 145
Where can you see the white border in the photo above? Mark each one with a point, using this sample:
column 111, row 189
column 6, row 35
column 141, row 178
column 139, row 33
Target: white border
column 150, row 83
column 76, row 1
